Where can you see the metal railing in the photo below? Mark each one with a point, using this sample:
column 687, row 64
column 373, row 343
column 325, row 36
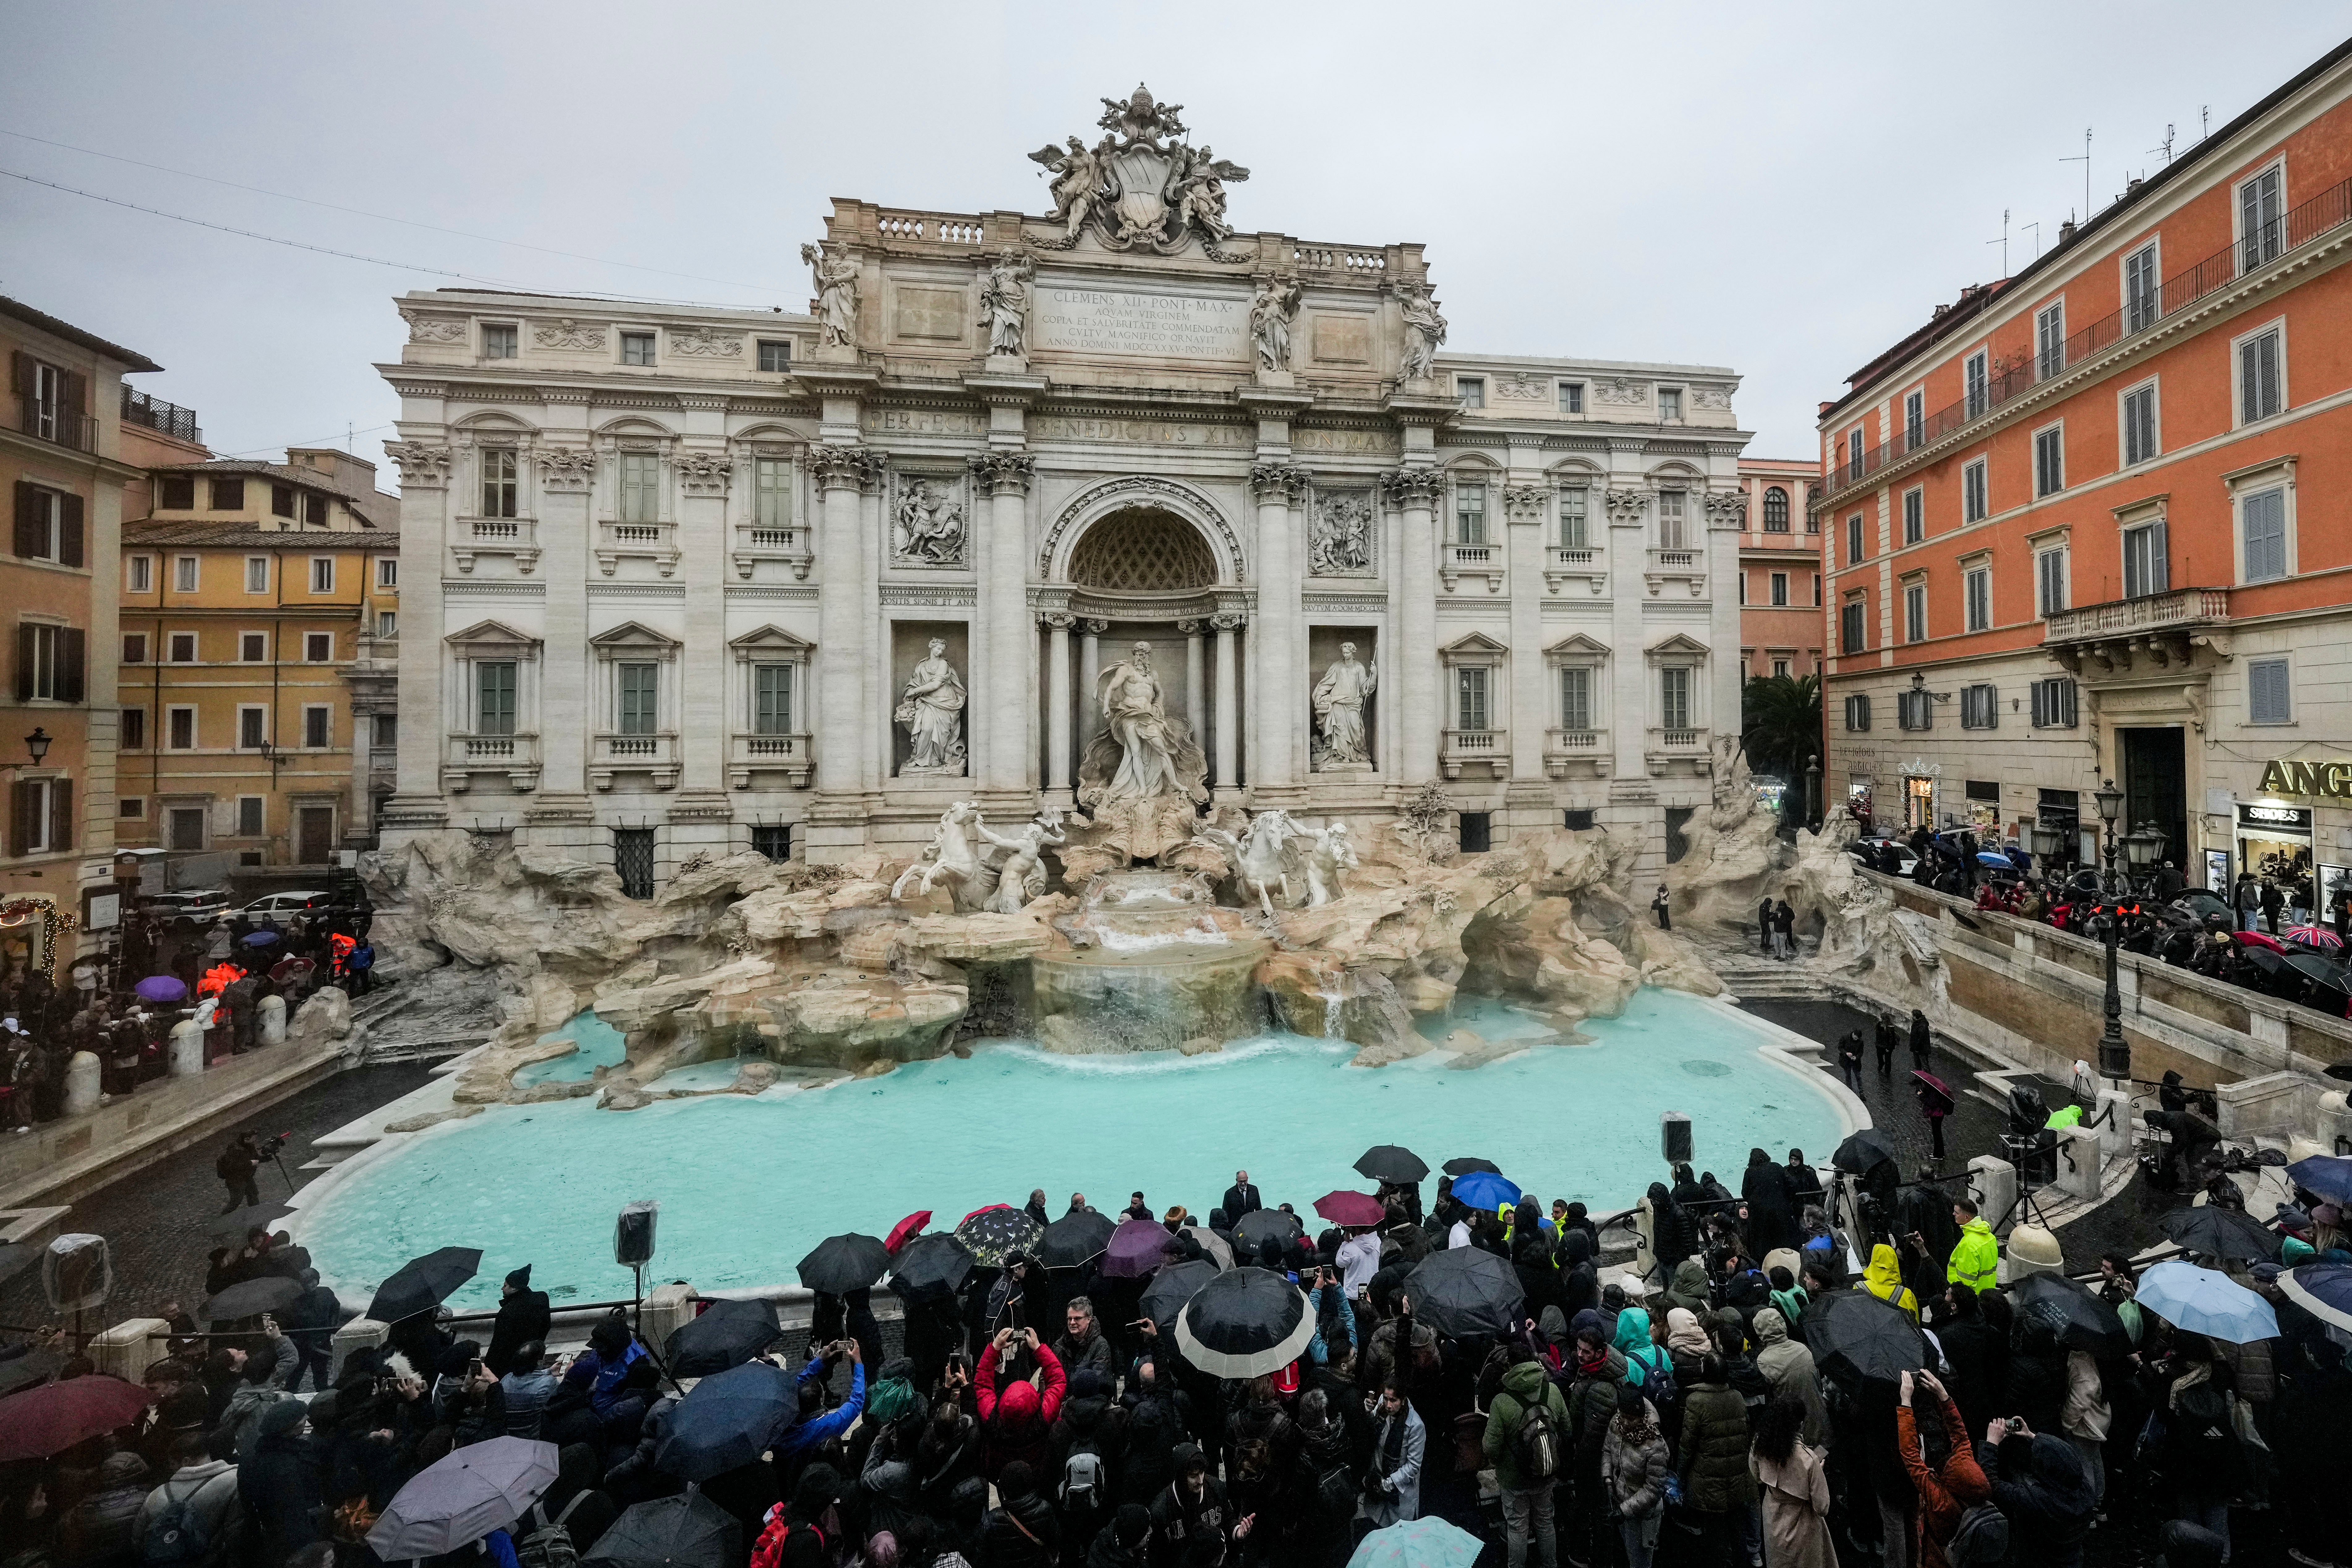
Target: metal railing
column 2322, row 214
column 169, row 418
column 50, row 422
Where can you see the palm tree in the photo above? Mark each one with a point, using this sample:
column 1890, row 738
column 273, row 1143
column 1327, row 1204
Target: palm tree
column 1780, row 725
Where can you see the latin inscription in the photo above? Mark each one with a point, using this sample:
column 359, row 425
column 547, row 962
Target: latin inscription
column 925, row 421
column 1139, row 432
column 1153, row 326
column 1344, row 441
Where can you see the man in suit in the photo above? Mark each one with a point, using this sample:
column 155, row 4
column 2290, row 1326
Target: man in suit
column 1240, row 1198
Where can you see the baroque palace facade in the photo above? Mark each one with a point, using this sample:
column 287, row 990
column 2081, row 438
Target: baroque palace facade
column 685, row 580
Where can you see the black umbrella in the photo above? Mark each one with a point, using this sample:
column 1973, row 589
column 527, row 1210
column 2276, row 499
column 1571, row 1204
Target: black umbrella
column 1175, row 1284
column 687, row 1531
column 1388, row 1163
column 1259, row 1224
column 1856, row 1338
column 1861, row 1151
column 728, row 1333
column 1466, row 1291
column 236, row 1222
column 1468, row 1163
column 996, row 1233
column 841, row 1264
column 423, row 1283
column 2075, row 1319
column 1075, row 1239
column 2324, row 971
column 249, row 1297
column 937, row 1264
column 1245, row 1324
column 2225, row 1234
column 728, row 1420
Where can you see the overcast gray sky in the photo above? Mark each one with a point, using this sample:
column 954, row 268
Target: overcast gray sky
column 1781, row 189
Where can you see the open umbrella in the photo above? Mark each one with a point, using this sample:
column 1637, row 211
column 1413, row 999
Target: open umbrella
column 2254, row 938
column 996, row 1232
column 933, row 1265
column 1467, row 1163
column 2325, row 971
column 263, row 939
column 1861, row 1151
column 1346, row 1207
column 1986, row 858
column 2269, row 960
column 2319, row 937
column 163, row 988
column 1936, row 1086
column 1484, row 1190
column 840, row 1264
column 1219, row 1249
column 2205, row 1301
column 33, row 1366
column 1172, row 1287
column 1136, row 1248
column 1425, row 1543
column 236, row 1222
column 2327, row 1177
column 2076, row 1319
column 727, row 1333
column 1259, row 1225
column 2322, row 1290
column 1856, row 1338
column 1389, row 1162
column 250, row 1298
column 1245, row 1324
column 463, row 1496
column 1075, row 1239
column 423, row 1283
column 2225, row 1234
column 687, row 1531
column 726, row 1420
column 53, row 1416
column 1466, row 1291
column 903, row 1231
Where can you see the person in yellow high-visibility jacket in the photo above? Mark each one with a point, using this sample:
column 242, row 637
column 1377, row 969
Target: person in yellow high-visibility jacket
column 1976, row 1258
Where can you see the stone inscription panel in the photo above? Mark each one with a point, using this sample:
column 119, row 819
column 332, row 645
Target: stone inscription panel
column 1140, row 432
column 1129, row 323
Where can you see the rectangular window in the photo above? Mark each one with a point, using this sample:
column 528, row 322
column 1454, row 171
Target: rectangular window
column 640, row 476
column 494, row 697
column 1854, row 539
column 314, row 510
column 1980, row 707
column 1780, row 668
column 2049, row 340
column 253, row 647
column 1850, row 625
column 1817, row 590
column 1979, row 585
column 1573, row 514
column 248, row 816
column 1674, row 520
column 317, row 727
column 1857, row 713
column 2050, row 460
column 181, row 724
column 323, row 573
column 257, row 574
column 387, row 571
column 2140, row 308
column 1674, row 697
column 252, row 728
column 1973, row 506
column 2054, row 703
column 135, row 648
column 1742, row 576
column 1575, row 698
column 1469, row 514
column 500, row 342
column 1915, row 516
column 2269, row 694
column 184, row 648
column 636, row 348
column 134, row 729
column 1779, row 590
column 1914, row 420
column 1476, row 831
column 1915, row 612
column 1577, row 821
column 2139, row 424
column 1853, row 453
column 2050, row 581
column 281, row 500
column 184, row 574
column 387, row 623
column 1979, row 393
column 771, row 698
column 1670, row 404
column 132, row 808
column 2261, row 211
column 499, row 482
column 2146, row 569
column 1471, row 390
column 1470, row 697
column 1571, row 397
column 187, row 828
column 176, row 493
column 772, row 839
column 771, row 492
column 2265, row 528
column 639, row 684
column 1914, row 709
column 775, row 353
column 383, row 731
column 140, row 574
column 229, row 495
column 2259, row 385
column 319, row 648
column 41, row 656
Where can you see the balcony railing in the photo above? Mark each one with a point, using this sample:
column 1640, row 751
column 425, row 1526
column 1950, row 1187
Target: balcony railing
column 512, row 536
column 1564, row 748
column 2323, row 214
column 1685, row 566
column 1670, row 749
column 792, row 755
column 612, row 753
column 755, row 542
column 1471, row 561
column 1567, row 563
column 167, row 418
column 655, row 541
column 54, row 422
column 466, row 755
column 2149, row 611
column 1476, row 748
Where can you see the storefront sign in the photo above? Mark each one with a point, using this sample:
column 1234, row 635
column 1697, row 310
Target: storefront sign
column 2276, row 818
column 2287, row 775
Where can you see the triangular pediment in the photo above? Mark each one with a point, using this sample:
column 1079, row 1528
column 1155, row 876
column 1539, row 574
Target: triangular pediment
column 1577, row 644
column 492, row 633
column 632, row 635
column 770, row 639
column 1681, row 642
column 1478, row 644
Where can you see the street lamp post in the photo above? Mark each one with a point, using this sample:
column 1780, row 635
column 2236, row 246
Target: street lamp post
column 1813, row 792
column 2140, row 848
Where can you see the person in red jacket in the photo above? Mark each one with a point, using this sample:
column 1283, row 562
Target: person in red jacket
column 1016, row 1420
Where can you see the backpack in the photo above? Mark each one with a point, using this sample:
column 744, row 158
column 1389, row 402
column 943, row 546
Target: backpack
column 1083, row 1479
column 550, row 1546
column 1980, row 1540
column 1657, row 1383
column 767, row 1552
column 1535, row 1447
column 178, row 1534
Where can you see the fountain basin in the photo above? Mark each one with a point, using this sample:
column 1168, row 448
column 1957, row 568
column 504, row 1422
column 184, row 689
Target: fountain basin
column 1179, row 995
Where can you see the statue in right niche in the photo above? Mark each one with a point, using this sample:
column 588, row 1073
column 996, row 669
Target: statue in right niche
column 1339, row 700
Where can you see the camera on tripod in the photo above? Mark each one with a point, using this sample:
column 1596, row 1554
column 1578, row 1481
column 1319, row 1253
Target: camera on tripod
column 274, row 1145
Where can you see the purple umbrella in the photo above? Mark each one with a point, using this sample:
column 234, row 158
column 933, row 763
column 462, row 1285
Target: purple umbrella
column 161, row 988
column 261, row 939
column 1136, row 1247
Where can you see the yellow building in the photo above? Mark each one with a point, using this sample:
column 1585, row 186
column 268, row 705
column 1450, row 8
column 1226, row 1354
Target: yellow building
column 260, row 613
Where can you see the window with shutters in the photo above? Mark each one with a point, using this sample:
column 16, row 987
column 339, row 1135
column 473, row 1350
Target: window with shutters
column 319, row 648
column 40, row 817
column 257, row 574
column 135, row 648
column 53, row 403
column 175, row 493
column 1674, row 520
column 494, row 697
column 250, row 820
column 1973, row 497
column 323, row 573
column 1779, row 590
column 253, row 647
column 2262, row 375
column 49, row 525
column 2050, row 581
column 387, row 571
column 1469, row 514
column 771, row 492
column 51, row 662
column 1742, row 576
column 2054, row 703
column 134, row 729
column 2261, row 217
column 771, row 698
column 138, row 575
column 1915, row 515
column 1974, row 375
column 1674, row 697
column 281, row 500
column 775, row 353
column 2139, row 424
column 1850, row 625
column 1470, row 697
column 317, row 726
column 1575, row 696
column 2140, row 306
column 1776, row 510
column 1817, row 590
column 314, row 510
column 252, row 728
column 1914, row 709
column 1854, row 539
column 2263, row 522
column 500, row 481
column 184, row 648
column 1670, row 404
column 1854, row 453
column 640, row 492
column 184, row 574
column 1857, row 713
column 2049, row 340
column 2270, row 692
column 2146, row 569
column 1914, row 420
column 1915, row 612
column 180, row 729
column 1977, row 589
column 1980, row 707
column 229, row 495
column 2050, row 460
column 639, row 694
column 637, row 347
column 501, row 340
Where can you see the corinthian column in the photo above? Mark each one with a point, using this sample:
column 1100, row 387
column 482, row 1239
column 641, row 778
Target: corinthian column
column 1275, row 695
column 1057, row 625
column 1414, row 491
column 1008, row 671
column 844, row 760
column 1228, row 712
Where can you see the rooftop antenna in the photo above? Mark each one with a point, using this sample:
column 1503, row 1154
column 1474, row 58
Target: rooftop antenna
column 2085, row 161
column 2204, row 121
column 2166, row 148
column 2002, row 242
column 2036, row 226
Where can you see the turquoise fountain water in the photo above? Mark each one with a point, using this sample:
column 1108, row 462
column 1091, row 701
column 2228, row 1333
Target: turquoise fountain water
column 748, row 1183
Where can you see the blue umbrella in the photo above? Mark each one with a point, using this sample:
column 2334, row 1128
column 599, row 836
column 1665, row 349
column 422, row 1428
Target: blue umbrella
column 2205, row 1301
column 261, row 939
column 1484, row 1190
column 1986, row 858
column 728, row 1420
column 1426, row 1543
column 2322, row 1290
column 161, row 988
column 2327, row 1177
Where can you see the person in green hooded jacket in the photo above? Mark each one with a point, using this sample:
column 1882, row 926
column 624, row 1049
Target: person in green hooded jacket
column 1526, row 1497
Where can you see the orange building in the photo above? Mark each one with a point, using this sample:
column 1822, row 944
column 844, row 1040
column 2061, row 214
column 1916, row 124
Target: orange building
column 1780, row 569
column 2089, row 521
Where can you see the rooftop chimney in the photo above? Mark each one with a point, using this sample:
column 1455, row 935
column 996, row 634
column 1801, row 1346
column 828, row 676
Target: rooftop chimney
column 2067, row 232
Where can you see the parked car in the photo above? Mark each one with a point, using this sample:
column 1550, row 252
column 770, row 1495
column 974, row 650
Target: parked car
column 2202, row 903
column 1871, row 852
column 276, row 906
column 189, row 910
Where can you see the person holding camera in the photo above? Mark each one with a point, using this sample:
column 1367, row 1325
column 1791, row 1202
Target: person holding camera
column 235, row 1166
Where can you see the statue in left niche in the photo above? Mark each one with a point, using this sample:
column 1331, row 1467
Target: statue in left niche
column 835, row 271
column 931, row 707
column 1004, row 300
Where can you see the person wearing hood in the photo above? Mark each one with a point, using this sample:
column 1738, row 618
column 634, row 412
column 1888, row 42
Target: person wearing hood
column 1804, row 1184
column 1124, row 1542
column 2040, row 1487
column 1526, row 1499
column 1772, row 1207
column 1922, row 1041
column 523, row 1318
column 1688, row 1345
column 1689, row 1291
column 1948, row 1485
column 1712, row 1454
column 281, row 1485
column 1976, row 1254
column 1399, row 1443
column 1016, row 1415
column 101, row 1530
column 1091, row 1422
column 1667, row 1228
column 1577, row 1285
column 1022, row 1530
column 1646, row 1360
column 1632, row 1481
column 801, row 1531
column 1190, row 1520
column 1884, row 1279
column 1787, row 1366
column 206, row 1488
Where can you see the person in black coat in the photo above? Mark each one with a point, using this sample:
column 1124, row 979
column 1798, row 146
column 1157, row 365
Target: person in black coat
column 1923, row 1042
column 523, row 1318
column 1883, row 1041
column 1849, row 1047
column 1240, row 1198
column 1764, row 925
column 281, row 1484
column 1771, row 1207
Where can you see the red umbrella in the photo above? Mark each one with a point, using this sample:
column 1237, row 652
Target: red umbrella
column 2256, row 939
column 53, row 1417
column 1936, row 1086
column 982, row 1209
column 906, row 1230
column 1347, row 1207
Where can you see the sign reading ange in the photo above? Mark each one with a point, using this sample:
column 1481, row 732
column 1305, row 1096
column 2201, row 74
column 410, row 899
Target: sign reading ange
column 2286, row 776
column 1128, row 323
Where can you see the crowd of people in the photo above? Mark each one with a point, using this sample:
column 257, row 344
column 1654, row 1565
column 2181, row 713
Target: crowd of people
column 1685, row 1409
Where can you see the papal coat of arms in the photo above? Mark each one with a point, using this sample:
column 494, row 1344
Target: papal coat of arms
column 1143, row 185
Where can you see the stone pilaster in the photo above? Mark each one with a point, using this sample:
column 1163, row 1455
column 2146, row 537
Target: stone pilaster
column 1227, row 716
column 1527, row 512
column 1420, row 713
column 1059, row 779
column 567, row 532
column 1276, row 698
column 425, row 511
column 845, row 763
column 705, row 480
column 1003, row 760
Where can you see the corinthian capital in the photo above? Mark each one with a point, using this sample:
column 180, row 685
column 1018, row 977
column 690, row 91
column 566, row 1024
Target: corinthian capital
column 1727, row 509
column 846, row 467
column 1625, row 506
column 1277, row 481
column 1413, row 487
column 420, row 465
column 1003, row 473
column 1526, row 502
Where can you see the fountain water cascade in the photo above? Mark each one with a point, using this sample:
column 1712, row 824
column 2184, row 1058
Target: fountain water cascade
column 1152, row 964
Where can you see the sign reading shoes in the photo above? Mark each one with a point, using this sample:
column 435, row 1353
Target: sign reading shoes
column 2286, row 776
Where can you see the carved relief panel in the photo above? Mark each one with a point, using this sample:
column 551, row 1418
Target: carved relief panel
column 930, row 519
column 1342, row 534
